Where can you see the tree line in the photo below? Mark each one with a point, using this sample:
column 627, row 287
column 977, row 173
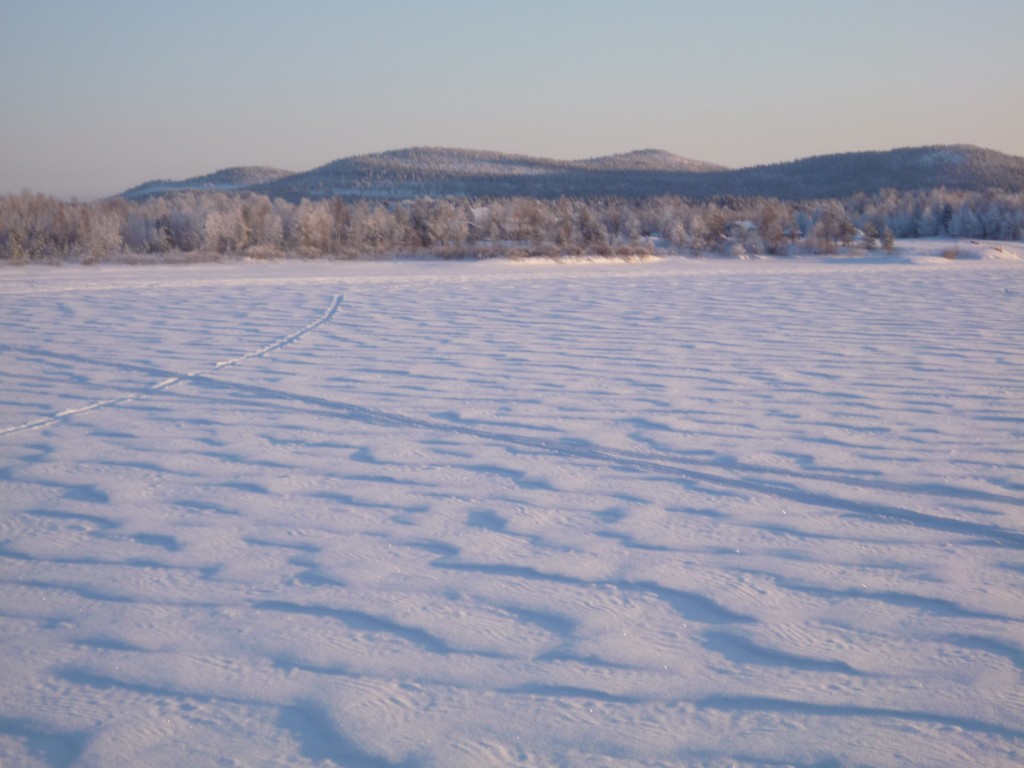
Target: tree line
column 209, row 225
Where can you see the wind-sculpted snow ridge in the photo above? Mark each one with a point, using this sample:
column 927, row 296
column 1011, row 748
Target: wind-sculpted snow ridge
column 667, row 513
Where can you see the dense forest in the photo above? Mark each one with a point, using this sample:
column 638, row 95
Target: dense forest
column 205, row 225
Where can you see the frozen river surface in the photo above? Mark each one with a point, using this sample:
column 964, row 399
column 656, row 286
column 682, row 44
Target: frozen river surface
column 756, row 513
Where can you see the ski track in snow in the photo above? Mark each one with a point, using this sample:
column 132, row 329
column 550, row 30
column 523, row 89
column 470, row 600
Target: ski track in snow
column 174, row 379
column 658, row 514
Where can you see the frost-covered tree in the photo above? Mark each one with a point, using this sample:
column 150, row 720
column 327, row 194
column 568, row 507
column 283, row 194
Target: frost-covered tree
column 773, row 225
column 314, row 227
column 225, row 229
column 263, row 224
column 590, row 231
column 888, row 241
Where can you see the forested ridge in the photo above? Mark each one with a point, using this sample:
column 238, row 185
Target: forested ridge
column 440, row 172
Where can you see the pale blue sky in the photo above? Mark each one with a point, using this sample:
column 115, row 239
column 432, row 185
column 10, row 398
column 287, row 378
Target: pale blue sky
column 99, row 95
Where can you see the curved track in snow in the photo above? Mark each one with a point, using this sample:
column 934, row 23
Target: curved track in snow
column 175, row 379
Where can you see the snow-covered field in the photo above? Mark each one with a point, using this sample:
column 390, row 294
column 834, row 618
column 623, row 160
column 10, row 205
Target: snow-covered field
column 479, row 514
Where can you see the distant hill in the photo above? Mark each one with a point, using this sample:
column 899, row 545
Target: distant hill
column 226, row 180
column 646, row 160
column 441, row 172
column 955, row 167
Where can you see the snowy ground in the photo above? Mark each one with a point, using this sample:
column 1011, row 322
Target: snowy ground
column 437, row 514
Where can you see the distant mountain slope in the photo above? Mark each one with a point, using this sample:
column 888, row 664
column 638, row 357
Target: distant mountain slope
column 840, row 175
column 419, row 171
column 647, row 160
column 442, row 172
column 227, row 180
